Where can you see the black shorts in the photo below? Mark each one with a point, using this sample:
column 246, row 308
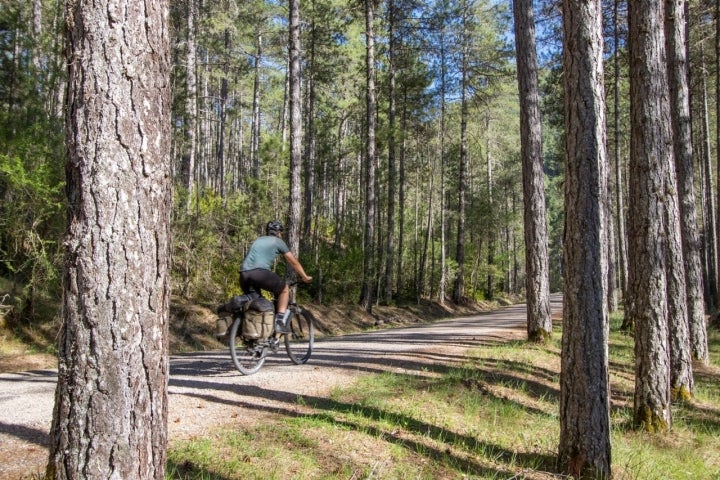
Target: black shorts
column 260, row 278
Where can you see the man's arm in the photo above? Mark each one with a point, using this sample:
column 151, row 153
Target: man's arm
column 295, row 264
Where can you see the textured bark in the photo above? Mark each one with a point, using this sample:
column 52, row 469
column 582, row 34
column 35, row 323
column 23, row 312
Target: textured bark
column 584, row 449
column 537, row 278
column 651, row 154
column 110, row 410
column 682, row 126
column 295, row 129
column 681, row 177
column 711, row 292
column 191, row 99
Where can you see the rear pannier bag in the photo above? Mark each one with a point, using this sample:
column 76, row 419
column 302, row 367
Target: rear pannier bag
column 233, row 307
column 259, row 316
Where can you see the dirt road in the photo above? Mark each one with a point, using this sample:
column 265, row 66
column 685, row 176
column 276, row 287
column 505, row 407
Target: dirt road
column 206, row 391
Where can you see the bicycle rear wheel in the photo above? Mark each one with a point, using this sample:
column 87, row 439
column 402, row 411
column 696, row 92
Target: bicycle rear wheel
column 299, row 342
column 247, row 355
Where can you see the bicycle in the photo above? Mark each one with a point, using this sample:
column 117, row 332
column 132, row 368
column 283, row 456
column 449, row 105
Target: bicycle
column 249, row 354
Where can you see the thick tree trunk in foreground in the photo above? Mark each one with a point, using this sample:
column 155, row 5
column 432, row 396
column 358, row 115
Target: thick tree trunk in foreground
column 584, row 449
column 110, row 412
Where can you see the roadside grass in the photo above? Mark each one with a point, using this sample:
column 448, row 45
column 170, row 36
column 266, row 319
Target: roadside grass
column 495, row 417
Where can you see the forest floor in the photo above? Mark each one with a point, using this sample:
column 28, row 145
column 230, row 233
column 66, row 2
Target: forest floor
column 206, row 391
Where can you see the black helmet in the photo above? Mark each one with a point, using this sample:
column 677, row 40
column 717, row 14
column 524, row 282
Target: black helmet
column 273, row 228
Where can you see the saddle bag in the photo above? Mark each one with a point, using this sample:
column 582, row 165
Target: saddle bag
column 258, row 319
column 228, row 311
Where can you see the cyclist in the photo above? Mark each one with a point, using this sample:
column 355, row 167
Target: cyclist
column 255, row 273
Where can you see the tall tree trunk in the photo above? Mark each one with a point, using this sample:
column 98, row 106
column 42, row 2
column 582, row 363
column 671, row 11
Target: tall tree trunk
column 649, row 158
column 459, row 286
column 255, row 131
column 401, row 200
column 191, row 99
column 584, row 450
column 390, row 239
column 220, row 146
column 110, row 415
column 37, row 31
column 709, row 202
column 294, row 74
column 443, row 161
column 310, row 143
column 203, row 167
column 537, row 278
column 717, row 154
column 681, row 380
column 492, row 234
column 678, row 75
column 422, row 267
column 56, row 88
column 366, row 295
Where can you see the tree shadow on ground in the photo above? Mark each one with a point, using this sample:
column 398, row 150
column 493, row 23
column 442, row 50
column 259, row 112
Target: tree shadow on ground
column 466, row 453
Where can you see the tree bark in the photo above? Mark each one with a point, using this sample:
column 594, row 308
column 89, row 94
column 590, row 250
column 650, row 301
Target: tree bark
column 537, row 278
column 584, row 450
column 110, row 416
column 649, row 159
column 294, row 201
column 392, row 170
column 717, row 146
column 366, row 296
column 255, row 130
column 709, row 230
column 191, row 99
column 401, row 200
column 459, row 286
column 310, row 143
column 678, row 74
column 491, row 233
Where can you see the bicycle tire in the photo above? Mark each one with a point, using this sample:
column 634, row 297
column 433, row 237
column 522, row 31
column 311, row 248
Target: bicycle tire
column 299, row 342
column 247, row 355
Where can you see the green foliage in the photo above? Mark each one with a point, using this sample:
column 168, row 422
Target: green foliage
column 31, row 215
column 209, row 241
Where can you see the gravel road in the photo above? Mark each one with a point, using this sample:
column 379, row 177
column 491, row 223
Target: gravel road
column 205, row 390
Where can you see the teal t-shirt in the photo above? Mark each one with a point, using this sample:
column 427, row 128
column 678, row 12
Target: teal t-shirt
column 263, row 252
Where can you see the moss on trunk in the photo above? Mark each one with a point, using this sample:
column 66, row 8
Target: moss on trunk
column 648, row 420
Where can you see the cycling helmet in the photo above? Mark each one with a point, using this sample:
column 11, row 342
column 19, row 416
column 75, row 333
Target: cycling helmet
column 273, row 228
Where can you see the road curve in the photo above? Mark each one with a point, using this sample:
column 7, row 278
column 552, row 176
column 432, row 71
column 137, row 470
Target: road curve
column 205, row 390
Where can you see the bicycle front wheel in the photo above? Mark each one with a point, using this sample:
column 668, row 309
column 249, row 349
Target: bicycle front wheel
column 299, row 342
column 247, row 355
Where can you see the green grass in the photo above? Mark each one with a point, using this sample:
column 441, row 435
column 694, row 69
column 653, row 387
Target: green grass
column 495, row 417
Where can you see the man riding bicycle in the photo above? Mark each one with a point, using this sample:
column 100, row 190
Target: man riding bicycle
column 255, row 273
